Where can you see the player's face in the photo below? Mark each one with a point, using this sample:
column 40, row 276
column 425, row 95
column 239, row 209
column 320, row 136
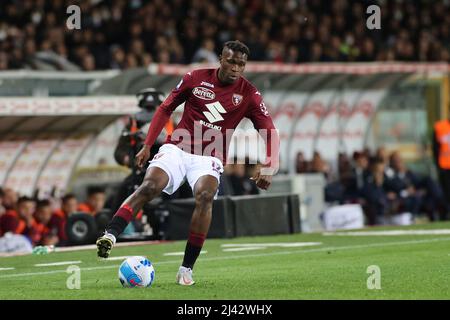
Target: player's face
column 44, row 214
column 232, row 65
column 97, row 201
column 26, row 209
column 70, row 205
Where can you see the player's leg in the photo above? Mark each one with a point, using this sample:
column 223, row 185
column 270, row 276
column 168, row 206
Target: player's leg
column 154, row 182
column 204, row 191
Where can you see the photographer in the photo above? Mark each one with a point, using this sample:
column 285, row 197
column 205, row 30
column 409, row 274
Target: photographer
column 132, row 139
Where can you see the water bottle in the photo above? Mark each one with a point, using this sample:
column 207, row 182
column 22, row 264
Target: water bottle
column 38, row 250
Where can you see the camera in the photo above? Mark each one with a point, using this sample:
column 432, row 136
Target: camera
column 148, row 100
column 132, row 138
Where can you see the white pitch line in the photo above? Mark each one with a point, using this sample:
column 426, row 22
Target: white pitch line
column 275, row 244
column 116, row 258
column 324, row 249
column 4, row 269
column 89, row 247
column 180, row 253
column 389, row 233
column 62, row 263
column 243, row 249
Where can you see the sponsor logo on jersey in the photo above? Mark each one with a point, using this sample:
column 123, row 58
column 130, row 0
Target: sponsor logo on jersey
column 237, row 99
column 207, row 84
column 215, row 111
column 209, row 125
column 203, row 93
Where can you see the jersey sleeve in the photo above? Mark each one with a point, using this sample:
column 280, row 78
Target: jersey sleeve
column 262, row 121
column 258, row 113
column 162, row 115
column 179, row 94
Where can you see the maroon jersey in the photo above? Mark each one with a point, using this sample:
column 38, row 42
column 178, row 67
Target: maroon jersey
column 211, row 108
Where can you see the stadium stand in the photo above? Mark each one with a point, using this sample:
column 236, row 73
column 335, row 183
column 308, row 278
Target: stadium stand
column 121, row 34
column 349, row 121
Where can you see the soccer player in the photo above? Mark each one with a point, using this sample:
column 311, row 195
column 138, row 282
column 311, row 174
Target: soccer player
column 216, row 100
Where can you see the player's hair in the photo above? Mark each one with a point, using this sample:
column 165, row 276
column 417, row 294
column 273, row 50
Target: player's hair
column 24, row 199
column 95, row 189
column 67, row 197
column 43, row 203
column 237, row 45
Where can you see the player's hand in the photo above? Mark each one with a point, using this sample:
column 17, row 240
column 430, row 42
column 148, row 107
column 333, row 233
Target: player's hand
column 143, row 156
column 262, row 181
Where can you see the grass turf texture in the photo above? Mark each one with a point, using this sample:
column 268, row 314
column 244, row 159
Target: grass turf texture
column 412, row 267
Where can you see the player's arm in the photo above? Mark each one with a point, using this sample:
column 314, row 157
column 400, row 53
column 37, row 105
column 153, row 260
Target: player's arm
column 262, row 122
column 162, row 116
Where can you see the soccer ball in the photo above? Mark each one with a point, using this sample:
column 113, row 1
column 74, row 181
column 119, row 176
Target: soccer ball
column 136, row 272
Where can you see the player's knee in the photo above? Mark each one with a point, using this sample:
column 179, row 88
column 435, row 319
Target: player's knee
column 204, row 198
column 148, row 189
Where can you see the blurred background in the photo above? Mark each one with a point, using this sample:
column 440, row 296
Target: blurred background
column 355, row 108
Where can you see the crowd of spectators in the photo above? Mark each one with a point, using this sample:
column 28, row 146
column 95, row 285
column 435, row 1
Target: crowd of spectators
column 43, row 221
column 119, row 34
column 381, row 182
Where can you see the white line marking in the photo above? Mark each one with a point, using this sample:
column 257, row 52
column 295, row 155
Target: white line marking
column 280, row 244
column 62, row 263
column 180, row 253
column 243, row 249
column 116, row 258
column 4, row 269
column 244, row 256
column 388, row 232
column 89, row 247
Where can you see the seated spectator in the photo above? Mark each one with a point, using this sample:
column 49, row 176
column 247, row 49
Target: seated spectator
column 22, row 220
column 95, row 201
column 301, row 165
column 43, row 216
column 403, row 182
column 57, row 223
column 10, row 198
column 379, row 203
column 382, row 154
column 236, row 178
column 354, row 182
column 433, row 203
column 335, row 190
column 344, row 164
column 420, row 193
column 319, row 165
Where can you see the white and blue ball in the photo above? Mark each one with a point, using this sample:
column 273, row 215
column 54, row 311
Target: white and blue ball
column 136, row 271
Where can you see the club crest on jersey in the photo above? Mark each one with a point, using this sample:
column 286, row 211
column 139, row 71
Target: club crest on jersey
column 203, row 93
column 237, row 99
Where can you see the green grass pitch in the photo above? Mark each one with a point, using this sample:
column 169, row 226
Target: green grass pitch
column 411, row 267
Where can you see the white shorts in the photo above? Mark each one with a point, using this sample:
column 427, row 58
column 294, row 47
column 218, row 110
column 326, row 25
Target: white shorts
column 181, row 166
